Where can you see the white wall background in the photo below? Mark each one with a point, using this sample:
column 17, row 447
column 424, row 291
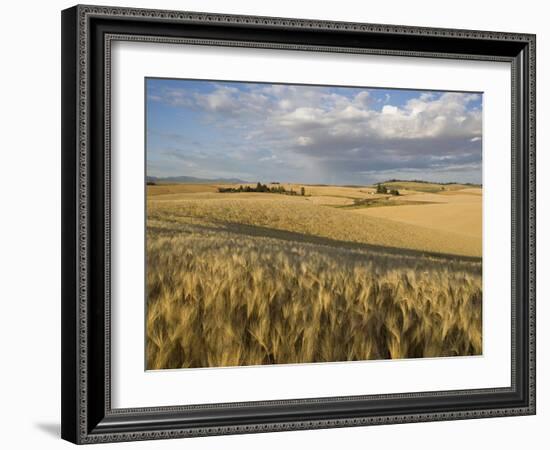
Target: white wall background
column 30, row 223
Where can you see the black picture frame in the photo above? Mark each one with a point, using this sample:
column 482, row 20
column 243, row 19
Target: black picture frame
column 87, row 416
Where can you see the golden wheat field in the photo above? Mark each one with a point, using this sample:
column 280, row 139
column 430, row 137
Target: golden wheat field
column 338, row 274
column 454, row 211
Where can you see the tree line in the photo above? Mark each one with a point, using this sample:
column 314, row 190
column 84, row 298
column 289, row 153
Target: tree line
column 279, row 189
column 381, row 189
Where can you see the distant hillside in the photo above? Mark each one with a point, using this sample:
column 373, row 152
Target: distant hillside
column 394, row 180
column 193, row 180
column 426, row 186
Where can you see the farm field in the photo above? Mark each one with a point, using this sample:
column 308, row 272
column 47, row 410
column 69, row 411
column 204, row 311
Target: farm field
column 340, row 273
column 455, row 211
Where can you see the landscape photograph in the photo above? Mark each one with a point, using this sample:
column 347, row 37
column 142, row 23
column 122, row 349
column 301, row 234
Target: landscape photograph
column 294, row 224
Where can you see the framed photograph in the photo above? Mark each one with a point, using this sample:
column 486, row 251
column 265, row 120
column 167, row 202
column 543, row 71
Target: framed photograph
column 277, row 224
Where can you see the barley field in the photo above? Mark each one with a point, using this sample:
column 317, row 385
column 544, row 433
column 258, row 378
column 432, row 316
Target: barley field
column 237, row 279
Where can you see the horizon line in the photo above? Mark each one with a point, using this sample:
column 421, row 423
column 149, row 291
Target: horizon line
column 391, row 180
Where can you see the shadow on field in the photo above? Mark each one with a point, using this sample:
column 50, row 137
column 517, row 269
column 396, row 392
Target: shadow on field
column 292, row 236
column 253, row 230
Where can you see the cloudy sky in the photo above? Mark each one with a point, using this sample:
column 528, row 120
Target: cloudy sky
column 311, row 134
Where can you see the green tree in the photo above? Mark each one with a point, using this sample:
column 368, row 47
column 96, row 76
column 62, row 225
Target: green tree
column 303, row 191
